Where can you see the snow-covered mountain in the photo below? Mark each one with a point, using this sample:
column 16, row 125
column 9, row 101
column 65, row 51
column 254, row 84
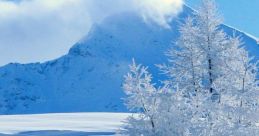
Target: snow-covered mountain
column 90, row 76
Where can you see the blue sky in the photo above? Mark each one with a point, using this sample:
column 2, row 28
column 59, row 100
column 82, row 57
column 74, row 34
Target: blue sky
column 241, row 14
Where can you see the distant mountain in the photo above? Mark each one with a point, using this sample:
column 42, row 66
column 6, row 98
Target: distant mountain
column 89, row 78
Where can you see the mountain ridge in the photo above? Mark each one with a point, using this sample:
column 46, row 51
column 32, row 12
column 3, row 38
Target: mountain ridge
column 90, row 75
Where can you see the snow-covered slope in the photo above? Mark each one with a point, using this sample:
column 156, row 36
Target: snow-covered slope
column 69, row 124
column 90, row 76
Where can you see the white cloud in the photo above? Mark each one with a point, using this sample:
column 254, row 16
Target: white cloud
column 159, row 11
column 40, row 30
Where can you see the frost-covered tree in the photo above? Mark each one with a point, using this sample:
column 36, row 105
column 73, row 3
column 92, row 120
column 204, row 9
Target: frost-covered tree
column 212, row 88
column 198, row 56
column 184, row 69
column 156, row 107
column 211, row 41
column 239, row 91
column 141, row 98
column 196, row 61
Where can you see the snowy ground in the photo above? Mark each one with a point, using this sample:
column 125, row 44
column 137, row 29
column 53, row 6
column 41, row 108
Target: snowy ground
column 65, row 124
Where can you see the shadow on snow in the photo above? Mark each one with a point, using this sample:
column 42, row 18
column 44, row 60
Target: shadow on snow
column 60, row 133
